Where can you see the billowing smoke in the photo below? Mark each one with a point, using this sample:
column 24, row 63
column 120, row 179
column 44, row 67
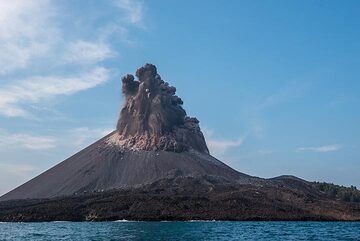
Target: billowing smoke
column 152, row 117
column 129, row 85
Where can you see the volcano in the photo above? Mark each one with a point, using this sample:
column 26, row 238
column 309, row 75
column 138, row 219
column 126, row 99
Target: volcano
column 156, row 166
column 154, row 139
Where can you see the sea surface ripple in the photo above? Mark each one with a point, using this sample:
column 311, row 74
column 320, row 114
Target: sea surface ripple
column 127, row 230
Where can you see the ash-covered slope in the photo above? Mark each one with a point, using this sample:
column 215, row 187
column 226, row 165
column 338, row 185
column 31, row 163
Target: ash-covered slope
column 154, row 139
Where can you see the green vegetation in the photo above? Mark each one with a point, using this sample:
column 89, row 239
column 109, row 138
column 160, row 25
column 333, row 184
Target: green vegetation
column 347, row 194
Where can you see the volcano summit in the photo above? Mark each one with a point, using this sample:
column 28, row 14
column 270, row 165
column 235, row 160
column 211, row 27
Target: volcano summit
column 156, row 166
column 152, row 118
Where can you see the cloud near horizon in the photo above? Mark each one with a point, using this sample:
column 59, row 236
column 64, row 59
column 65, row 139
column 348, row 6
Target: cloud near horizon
column 17, row 169
column 26, row 141
column 219, row 147
column 13, row 175
column 322, row 149
column 78, row 137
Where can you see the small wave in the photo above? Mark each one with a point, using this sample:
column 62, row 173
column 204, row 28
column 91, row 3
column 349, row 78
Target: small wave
column 60, row 222
column 123, row 221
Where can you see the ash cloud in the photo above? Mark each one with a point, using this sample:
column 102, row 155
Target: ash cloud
column 129, row 85
column 152, row 117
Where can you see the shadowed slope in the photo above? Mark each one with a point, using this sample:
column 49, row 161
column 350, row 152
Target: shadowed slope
column 102, row 167
column 186, row 198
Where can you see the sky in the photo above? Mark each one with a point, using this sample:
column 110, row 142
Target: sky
column 275, row 84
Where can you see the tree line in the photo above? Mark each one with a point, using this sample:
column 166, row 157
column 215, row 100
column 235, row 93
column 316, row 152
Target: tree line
column 347, row 194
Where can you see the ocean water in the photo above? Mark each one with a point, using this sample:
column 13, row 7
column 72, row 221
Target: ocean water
column 123, row 230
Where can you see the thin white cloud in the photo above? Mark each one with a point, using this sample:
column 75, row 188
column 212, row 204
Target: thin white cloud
column 218, row 147
column 33, row 39
column 32, row 90
column 30, row 31
column 26, row 32
column 25, row 141
column 323, row 149
column 78, row 137
column 83, row 52
column 13, row 175
column 293, row 90
column 17, row 169
column 133, row 9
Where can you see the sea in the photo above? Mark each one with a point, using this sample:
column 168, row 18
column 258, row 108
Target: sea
column 192, row 230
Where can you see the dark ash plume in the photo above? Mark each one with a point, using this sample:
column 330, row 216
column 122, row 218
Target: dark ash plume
column 152, row 117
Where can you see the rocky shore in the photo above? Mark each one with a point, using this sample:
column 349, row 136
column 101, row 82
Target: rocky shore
column 188, row 199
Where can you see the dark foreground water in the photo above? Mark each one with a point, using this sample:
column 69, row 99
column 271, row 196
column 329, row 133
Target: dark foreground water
column 181, row 231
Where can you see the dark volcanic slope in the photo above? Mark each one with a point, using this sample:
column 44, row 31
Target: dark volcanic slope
column 102, row 167
column 187, row 198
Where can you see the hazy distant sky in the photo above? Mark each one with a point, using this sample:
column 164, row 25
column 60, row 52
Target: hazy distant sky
column 275, row 84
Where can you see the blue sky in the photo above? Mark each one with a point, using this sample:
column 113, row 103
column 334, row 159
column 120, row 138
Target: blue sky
column 275, row 84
